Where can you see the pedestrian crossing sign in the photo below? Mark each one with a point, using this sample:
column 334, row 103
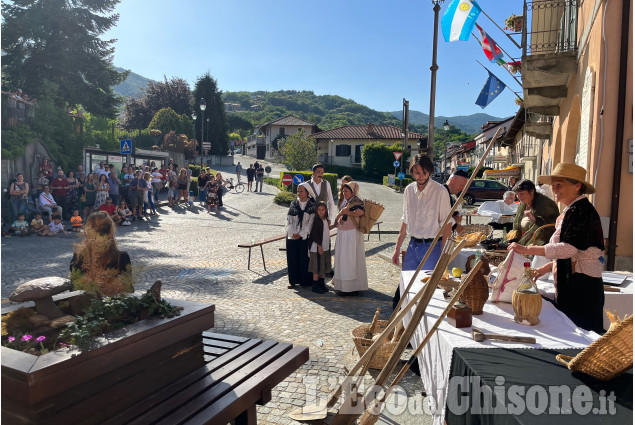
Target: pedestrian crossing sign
column 126, row 147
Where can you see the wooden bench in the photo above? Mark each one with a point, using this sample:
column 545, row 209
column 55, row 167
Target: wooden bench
column 260, row 244
column 239, row 373
column 333, row 232
column 377, row 223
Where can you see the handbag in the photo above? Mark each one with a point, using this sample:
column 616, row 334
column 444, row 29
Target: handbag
column 509, row 277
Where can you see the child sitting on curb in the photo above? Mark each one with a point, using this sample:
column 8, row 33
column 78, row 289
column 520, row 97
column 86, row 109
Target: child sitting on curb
column 55, row 227
column 20, row 227
column 76, row 222
column 37, row 225
column 124, row 213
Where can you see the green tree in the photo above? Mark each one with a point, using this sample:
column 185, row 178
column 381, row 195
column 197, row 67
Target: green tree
column 377, row 158
column 298, row 151
column 167, row 120
column 53, row 48
column 216, row 130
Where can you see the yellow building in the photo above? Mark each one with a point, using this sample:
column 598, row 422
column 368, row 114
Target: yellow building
column 577, row 74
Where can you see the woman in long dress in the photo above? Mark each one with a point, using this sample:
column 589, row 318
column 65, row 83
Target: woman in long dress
column 350, row 256
column 299, row 223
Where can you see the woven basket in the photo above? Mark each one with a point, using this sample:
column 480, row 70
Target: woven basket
column 496, row 256
column 472, row 228
column 384, row 352
column 608, row 356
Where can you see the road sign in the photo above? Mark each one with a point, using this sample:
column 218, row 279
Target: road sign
column 401, row 176
column 463, row 167
column 126, row 147
column 397, row 155
column 298, row 179
column 396, row 164
column 286, row 180
column 232, row 143
column 207, row 146
column 391, row 179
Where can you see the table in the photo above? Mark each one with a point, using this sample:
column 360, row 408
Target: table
column 555, row 331
column 622, row 301
column 504, row 218
column 520, row 371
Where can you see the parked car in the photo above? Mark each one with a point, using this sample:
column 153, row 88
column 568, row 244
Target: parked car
column 483, row 189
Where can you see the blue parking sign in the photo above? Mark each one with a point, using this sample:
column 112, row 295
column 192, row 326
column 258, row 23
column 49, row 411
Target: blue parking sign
column 298, row 179
column 401, row 176
column 396, row 164
column 126, row 147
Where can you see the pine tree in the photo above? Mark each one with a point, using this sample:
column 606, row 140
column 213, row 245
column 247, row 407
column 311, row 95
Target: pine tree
column 216, row 130
column 53, row 49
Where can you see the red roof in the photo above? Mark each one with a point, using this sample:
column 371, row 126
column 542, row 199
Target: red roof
column 368, row 131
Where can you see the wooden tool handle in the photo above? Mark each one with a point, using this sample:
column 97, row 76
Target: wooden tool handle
column 528, row 339
column 609, row 288
column 374, row 322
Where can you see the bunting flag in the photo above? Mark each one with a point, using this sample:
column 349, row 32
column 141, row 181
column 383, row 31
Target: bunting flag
column 492, row 88
column 459, row 19
column 491, row 50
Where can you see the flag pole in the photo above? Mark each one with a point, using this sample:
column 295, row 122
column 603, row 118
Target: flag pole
column 520, row 98
column 503, row 31
column 510, row 73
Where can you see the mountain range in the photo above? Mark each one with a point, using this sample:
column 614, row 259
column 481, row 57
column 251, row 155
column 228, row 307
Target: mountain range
column 327, row 111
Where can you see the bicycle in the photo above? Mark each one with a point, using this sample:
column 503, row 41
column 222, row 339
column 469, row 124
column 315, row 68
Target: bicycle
column 239, row 187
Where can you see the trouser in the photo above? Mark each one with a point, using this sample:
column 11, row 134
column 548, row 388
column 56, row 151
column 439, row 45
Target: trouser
column 60, row 200
column 202, row 194
column 18, row 207
column 259, row 179
column 220, row 196
column 50, row 212
column 414, row 254
column 115, row 198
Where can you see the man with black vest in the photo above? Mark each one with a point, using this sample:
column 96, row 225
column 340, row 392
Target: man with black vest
column 322, row 189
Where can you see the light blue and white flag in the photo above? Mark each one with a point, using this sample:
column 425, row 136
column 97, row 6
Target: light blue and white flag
column 459, row 19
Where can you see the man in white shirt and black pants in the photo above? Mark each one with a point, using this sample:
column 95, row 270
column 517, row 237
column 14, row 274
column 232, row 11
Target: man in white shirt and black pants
column 426, row 205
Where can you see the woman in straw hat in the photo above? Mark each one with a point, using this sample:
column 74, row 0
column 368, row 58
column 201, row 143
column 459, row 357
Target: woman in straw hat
column 575, row 249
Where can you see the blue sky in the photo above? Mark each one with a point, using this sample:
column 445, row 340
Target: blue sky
column 373, row 52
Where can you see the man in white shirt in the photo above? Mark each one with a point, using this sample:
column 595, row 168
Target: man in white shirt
column 322, row 189
column 426, row 205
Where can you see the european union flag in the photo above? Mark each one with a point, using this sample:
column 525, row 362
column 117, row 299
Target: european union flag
column 492, row 88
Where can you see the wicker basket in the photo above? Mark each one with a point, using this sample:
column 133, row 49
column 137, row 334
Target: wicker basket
column 496, row 256
column 473, row 228
column 383, row 353
column 608, row 356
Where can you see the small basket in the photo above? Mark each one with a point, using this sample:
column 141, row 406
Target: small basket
column 383, row 353
column 496, row 256
column 607, row 357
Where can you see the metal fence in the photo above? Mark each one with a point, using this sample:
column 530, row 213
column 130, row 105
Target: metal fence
column 550, row 26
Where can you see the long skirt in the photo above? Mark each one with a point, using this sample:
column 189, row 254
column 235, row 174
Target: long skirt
column 298, row 262
column 582, row 300
column 350, row 262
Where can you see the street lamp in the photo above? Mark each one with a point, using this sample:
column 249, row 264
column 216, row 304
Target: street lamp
column 446, row 127
column 203, row 106
column 434, row 68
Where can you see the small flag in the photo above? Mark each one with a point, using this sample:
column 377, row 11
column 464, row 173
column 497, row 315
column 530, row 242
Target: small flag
column 459, row 19
column 492, row 51
column 492, row 88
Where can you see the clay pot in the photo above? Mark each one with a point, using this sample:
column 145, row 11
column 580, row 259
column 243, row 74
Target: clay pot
column 527, row 306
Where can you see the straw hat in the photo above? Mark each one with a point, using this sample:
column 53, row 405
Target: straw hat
column 567, row 170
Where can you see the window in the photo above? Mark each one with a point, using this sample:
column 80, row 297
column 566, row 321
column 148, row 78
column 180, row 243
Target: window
column 342, row 150
column 281, row 131
column 478, row 184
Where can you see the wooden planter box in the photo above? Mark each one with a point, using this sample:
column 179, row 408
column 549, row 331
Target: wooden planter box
column 120, row 369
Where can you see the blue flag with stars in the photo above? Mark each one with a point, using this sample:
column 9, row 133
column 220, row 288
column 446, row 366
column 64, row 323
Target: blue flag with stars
column 492, row 88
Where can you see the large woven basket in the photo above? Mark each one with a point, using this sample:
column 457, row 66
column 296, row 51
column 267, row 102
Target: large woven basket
column 495, row 257
column 607, row 357
column 362, row 343
column 473, row 228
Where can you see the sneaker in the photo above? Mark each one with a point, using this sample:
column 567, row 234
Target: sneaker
column 125, row 223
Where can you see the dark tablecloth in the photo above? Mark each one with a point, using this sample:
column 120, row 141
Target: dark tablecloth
column 533, row 375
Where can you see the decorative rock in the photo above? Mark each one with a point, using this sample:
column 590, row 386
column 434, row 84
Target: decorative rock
column 61, row 321
column 155, row 290
column 41, row 291
column 37, row 320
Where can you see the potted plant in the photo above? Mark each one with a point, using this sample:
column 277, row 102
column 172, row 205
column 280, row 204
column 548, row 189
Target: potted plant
column 519, row 101
column 514, row 23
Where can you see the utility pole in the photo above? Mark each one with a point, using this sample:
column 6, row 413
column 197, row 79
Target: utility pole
column 404, row 133
column 433, row 68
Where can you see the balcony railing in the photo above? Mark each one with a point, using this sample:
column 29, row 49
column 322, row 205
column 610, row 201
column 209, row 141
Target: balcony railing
column 550, row 26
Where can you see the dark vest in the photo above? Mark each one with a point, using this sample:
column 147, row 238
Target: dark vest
column 323, row 196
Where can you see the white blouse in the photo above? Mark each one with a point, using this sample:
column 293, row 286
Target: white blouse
column 293, row 224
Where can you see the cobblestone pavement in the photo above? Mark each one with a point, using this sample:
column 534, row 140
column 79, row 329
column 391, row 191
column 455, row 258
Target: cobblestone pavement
column 195, row 254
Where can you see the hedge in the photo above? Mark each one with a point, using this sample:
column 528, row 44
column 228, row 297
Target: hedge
column 329, row 177
column 405, row 181
column 354, row 172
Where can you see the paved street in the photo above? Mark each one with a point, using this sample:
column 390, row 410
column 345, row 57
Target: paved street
column 195, row 254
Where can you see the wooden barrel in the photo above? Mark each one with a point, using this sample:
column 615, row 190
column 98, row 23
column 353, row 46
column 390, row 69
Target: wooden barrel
column 527, row 306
